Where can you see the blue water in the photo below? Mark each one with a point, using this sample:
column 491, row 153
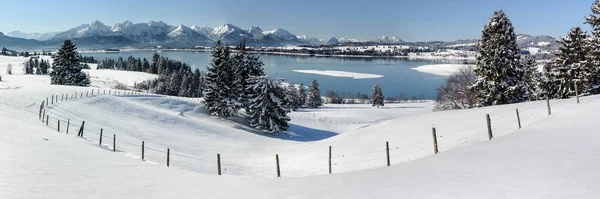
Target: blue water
column 398, row 77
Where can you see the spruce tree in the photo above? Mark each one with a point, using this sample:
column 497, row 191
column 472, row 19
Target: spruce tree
column 267, row 112
column 594, row 49
column 218, row 93
column 377, row 96
column 313, row 99
column 66, row 69
column 500, row 75
column 531, row 78
column 291, row 97
column 571, row 65
column 301, row 100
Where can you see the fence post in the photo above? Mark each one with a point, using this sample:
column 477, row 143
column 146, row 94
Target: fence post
column 142, row 150
column 58, row 125
column 41, row 107
column 435, row 144
column 168, row 156
column 62, row 97
column 548, row 104
column 489, row 125
column 81, row 95
column 518, row 118
column 87, row 93
column 47, row 118
column 114, row 143
column 48, row 104
column 576, row 91
column 101, row 131
column 68, row 124
column 52, row 99
column 277, row 161
column 92, row 92
column 219, row 163
column 387, row 151
column 80, row 133
column 75, row 94
column 329, row 159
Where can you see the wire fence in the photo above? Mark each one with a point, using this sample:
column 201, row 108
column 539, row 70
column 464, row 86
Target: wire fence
column 57, row 115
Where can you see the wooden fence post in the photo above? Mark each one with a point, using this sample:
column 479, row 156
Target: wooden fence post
column 68, row 124
column 41, row 108
column 92, row 92
column 143, row 150
column 329, row 159
column 548, row 104
column 168, row 156
column 518, row 118
column 101, row 132
column 80, row 133
column 52, row 99
column 114, row 143
column 576, row 92
column 75, row 94
column 81, row 95
column 277, row 161
column 47, row 104
column 387, row 151
column 219, row 163
column 489, row 125
column 87, row 93
column 435, row 144
column 47, row 118
column 58, row 125
column 62, row 97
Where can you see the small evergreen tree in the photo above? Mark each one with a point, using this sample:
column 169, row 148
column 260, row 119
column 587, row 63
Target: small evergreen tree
column 531, row 77
column 267, row 112
column 313, row 99
column 377, row 96
column 500, row 75
column 66, row 69
column 301, row 100
column 291, row 97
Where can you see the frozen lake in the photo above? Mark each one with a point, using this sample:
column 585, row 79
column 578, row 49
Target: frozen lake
column 341, row 74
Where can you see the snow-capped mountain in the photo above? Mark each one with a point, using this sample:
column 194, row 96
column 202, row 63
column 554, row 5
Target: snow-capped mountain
column 229, row 33
column 281, row 34
column 127, row 28
column 96, row 28
column 344, row 40
column 204, row 30
column 310, row 40
column 183, row 35
column 36, row 36
column 388, row 40
column 333, row 41
column 255, row 30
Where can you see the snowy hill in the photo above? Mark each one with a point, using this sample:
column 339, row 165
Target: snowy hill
column 550, row 157
column 388, row 40
column 333, row 41
column 36, row 36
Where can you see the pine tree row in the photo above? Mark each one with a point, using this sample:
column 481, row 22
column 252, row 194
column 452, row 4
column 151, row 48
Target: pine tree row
column 35, row 66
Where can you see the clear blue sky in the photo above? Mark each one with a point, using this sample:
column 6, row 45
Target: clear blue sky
column 411, row 20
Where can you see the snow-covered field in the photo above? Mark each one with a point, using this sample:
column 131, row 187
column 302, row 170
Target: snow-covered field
column 336, row 73
column 440, row 69
column 551, row 157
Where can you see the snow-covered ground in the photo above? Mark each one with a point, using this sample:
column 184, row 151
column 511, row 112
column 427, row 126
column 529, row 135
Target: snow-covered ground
column 551, row 157
column 336, row 73
column 440, row 69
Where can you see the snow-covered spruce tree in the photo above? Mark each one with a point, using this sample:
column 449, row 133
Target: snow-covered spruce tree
column 313, row 100
column 66, row 69
column 546, row 84
column 266, row 105
column 499, row 72
column 301, row 95
column 571, row 65
column 377, row 96
column 531, row 77
column 291, row 97
column 594, row 48
column 219, row 96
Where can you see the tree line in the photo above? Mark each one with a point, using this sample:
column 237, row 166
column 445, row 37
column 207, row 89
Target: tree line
column 35, row 66
column 505, row 77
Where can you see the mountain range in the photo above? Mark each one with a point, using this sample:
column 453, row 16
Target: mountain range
column 152, row 34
